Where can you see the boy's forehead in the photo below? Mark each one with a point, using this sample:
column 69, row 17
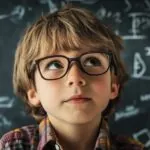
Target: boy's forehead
column 50, row 48
column 71, row 52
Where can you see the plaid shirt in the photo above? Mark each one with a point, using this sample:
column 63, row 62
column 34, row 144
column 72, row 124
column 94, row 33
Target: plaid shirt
column 42, row 137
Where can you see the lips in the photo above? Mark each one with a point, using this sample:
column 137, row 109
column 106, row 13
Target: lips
column 78, row 99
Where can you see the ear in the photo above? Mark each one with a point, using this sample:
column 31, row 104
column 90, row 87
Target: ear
column 114, row 90
column 33, row 97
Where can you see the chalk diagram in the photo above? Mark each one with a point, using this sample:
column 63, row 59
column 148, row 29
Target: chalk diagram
column 139, row 21
column 144, row 136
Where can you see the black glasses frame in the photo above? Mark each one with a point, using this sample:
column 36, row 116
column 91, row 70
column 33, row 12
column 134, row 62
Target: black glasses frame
column 77, row 60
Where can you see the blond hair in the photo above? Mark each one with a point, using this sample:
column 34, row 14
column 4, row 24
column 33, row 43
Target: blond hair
column 70, row 28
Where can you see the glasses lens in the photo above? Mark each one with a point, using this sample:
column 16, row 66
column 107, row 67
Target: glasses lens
column 95, row 63
column 53, row 67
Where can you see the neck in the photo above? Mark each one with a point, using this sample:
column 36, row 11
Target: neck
column 76, row 136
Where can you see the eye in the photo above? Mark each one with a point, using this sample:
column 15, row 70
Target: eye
column 92, row 61
column 53, row 65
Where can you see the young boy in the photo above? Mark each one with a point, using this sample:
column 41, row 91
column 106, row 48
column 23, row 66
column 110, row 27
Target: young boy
column 69, row 72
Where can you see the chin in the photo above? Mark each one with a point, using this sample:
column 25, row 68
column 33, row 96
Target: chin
column 81, row 120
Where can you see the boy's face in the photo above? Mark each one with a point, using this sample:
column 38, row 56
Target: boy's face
column 75, row 98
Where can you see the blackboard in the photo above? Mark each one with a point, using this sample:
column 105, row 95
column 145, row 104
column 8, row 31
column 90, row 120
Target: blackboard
column 128, row 18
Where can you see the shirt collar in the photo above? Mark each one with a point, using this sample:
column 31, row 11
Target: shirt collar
column 47, row 134
column 103, row 140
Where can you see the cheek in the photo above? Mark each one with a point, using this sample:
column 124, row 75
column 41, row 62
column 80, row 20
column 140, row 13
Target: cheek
column 102, row 85
column 101, row 92
column 47, row 89
column 48, row 95
column 41, row 87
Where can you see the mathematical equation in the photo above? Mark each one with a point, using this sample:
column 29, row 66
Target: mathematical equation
column 140, row 67
column 138, row 25
column 139, row 21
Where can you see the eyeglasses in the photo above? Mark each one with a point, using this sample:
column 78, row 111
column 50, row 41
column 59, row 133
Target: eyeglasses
column 56, row 66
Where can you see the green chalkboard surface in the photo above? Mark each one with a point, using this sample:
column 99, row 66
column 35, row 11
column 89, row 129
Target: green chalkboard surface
column 128, row 18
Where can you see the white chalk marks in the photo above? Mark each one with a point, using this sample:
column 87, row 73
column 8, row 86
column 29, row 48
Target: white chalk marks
column 143, row 134
column 51, row 5
column 16, row 14
column 4, row 121
column 129, row 6
column 140, row 66
column 6, row 102
column 84, row 1
column 128, row 112
column 139, row 22
column 103, row 13
column 145, row 97
column 147, row 49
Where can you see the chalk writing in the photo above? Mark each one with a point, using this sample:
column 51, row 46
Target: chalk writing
column 4, row 121
column 16, row 14
column 128, row 112
column 52, row 6
column 139, row 20
column 6, row 102
column 139, row 67
column 84, row 1
column 143, row 133
column 147, row 49
column 147, row 2
column 18, row 11
column 145, row 97
column 129, row 6
column 103, row 13
column 130, row 19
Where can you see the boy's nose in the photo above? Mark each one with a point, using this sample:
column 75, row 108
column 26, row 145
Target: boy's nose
column 75, row 76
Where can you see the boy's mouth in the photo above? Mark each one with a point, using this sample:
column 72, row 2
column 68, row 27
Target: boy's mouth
column 78, row 99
